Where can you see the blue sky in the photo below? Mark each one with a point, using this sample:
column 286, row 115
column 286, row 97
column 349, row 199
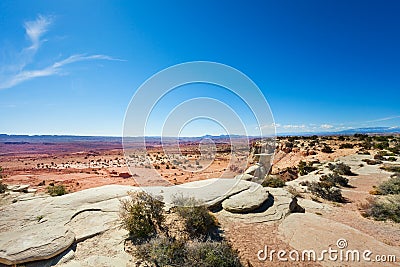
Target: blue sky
column 71, row 67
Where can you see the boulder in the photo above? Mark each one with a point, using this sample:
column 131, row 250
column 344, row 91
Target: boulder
column 246, row 201
column 294, row 207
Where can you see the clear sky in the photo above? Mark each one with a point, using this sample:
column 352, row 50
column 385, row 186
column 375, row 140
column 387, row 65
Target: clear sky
column 71, row 67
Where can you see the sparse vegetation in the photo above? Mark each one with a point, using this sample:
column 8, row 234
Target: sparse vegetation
column 390, row 187
column 163, row 251
column 141, row 215
column 340, row 168
column 327, row 149
column 271, row 181
column 346, row 145
column 56, row 190
column 326, row 191
column 210, row 254
column 335, row 179
column 381, row 209
column 3, row 187
column 305, row 168
column 372, row 161
column 391, row 168
column 198, row 221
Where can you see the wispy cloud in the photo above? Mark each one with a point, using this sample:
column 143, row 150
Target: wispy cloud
column 17, row 72
column 326, row 126
column 385, row 119
column 35, row 29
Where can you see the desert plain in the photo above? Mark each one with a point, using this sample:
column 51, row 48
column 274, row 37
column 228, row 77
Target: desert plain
column 289, row 211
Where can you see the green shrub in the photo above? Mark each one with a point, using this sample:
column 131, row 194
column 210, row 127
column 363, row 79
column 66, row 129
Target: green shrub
column 346, row 145
column 340, row 168
column 210, row 254
column 335, row 179
column 382, row 145
column 372, row 161
column 198, row 221
column 56, row 190
column 391, row 168
column 327, row 149
column 270, row 181
column 305, row 168
column 326, row 191
column 142, row 215
column 162, row 251
column 381, row 209
column 391, row 159
column 391, row 186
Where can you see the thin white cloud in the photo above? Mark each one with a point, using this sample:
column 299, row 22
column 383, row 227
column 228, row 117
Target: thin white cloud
column 294, row 126
column 385, row 119
column 35, row 29
column 16, row 73
column 326, row 126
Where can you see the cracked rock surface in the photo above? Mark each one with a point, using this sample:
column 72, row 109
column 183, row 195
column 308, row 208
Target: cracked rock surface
column 82, row 228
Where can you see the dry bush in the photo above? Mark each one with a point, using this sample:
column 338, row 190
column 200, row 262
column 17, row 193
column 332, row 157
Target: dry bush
column 335, row 179
column 56, row 190
column 163, row 251
column 326, row 191
column 210, row 254
column 198, row 221
column 391, row 186
column 271, row 181
column 382, row 209
column 340, row 168
column 142, row 215
column 305, row 168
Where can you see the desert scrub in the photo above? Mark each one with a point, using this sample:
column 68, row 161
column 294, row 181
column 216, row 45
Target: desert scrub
column 391, row 168
column 327, row 149
column 340, row 168
column 346, row 145
column 210, row 254
column 56, row 190
column 271, row 181
column 326, row 191
column 382, row 209
column 305, row 168
column 141, row 215
column 335, row 179
column 3, row 187
column 198, row 221
column 164, row 251
column 391, row 186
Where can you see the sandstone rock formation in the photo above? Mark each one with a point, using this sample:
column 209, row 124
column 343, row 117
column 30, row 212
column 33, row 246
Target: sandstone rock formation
column 246, row 201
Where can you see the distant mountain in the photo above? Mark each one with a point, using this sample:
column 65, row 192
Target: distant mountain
column 366, row 130
column 371, row 130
